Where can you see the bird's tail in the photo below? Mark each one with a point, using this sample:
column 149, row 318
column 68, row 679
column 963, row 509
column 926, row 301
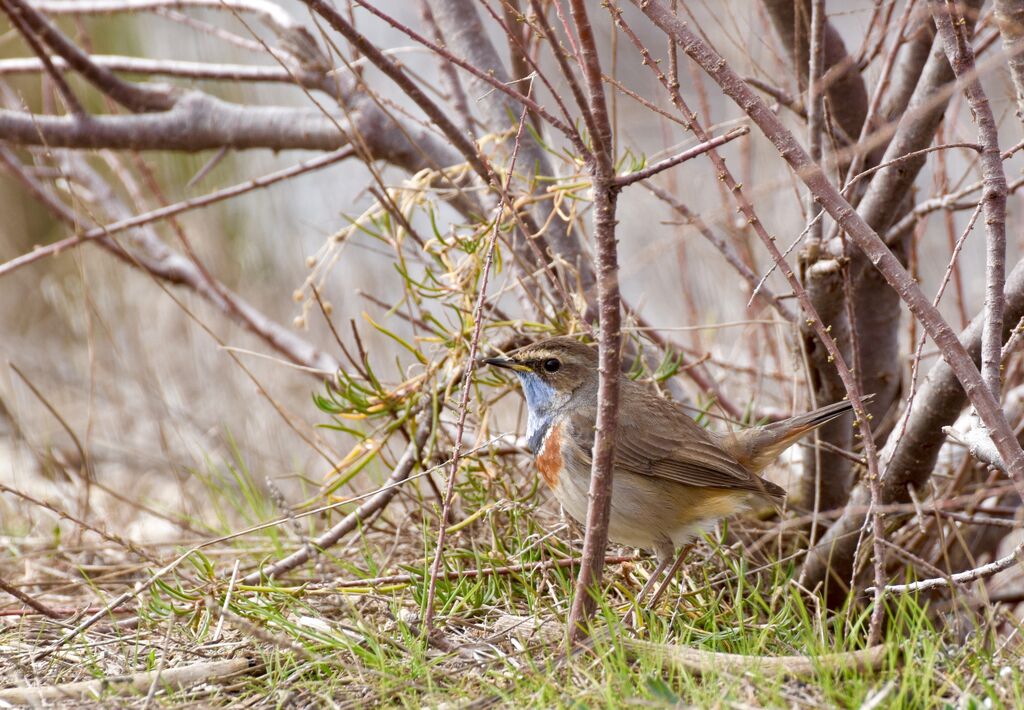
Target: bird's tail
column 757, row 447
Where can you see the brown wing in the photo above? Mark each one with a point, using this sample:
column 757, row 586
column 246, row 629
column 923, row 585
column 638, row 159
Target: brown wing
column 656, row 438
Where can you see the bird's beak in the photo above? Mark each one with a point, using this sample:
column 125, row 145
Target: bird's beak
column 506, row 363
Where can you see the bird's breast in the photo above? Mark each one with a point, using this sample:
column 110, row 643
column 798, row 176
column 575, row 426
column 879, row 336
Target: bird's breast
column 550, row 461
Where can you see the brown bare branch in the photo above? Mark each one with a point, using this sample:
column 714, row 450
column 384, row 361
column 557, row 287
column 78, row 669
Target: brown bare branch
column 408, row 461
column 726, row 250
column 961, row 59
column 602, row 171
column 170, row 67
column 153, row 256
column 161, row 213
column 1009, row 16
column 911, row 457
column 860, row 232
column 199, row 121
column 132, row 96
column 689, row 154
column 846, row 92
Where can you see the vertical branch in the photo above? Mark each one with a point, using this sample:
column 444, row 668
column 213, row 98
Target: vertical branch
column 515, row 22
column 845, row 88
column 605, row 199
column 814, row 103
column 961, row 59
column 1009, row 16
column 815, row 109
column 874, row 481
column 876, row 309
column 449, row 77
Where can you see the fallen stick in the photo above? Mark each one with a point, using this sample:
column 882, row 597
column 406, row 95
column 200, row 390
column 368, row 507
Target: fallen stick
column 698, row 661
column 37, row 606
column 136, row 683
column 1015, row 557
column 396, row 579
column 61, row 611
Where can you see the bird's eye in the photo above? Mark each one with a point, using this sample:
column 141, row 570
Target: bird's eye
column 552, row 365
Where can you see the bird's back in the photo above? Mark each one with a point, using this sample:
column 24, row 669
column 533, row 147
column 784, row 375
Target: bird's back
column 656, row 438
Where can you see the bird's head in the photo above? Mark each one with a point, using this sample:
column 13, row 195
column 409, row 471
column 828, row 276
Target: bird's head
column 551, row 371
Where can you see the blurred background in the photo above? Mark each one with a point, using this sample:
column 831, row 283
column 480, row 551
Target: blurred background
column 156, row 385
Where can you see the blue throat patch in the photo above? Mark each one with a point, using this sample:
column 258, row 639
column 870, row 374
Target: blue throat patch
column 539, row 395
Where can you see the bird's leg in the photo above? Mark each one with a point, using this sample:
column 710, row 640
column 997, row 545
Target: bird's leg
column 671, row 574
column 663, row 562
column 664, row 552
column 632, row 618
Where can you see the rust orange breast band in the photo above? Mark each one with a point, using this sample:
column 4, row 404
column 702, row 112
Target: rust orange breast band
column 549, row 459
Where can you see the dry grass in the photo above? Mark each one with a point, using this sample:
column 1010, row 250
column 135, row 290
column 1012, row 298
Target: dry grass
column 327, row 634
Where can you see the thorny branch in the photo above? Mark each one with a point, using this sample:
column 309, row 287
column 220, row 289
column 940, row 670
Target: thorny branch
column 863, row 235
column 602, row 172
column 961, row 58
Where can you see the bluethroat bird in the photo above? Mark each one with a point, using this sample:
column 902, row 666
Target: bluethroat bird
column 672, row 478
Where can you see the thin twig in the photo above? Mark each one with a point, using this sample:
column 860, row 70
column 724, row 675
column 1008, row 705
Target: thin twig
column 726, row 251
column 478, row 322
column 28, row 600
column 1003, row 563
column 268, row 11
column 162, row 213
column 399, row 579
column 689, row 154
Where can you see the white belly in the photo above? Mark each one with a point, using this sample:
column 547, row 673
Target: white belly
column 645, row 513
